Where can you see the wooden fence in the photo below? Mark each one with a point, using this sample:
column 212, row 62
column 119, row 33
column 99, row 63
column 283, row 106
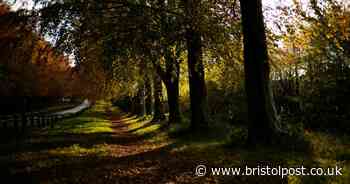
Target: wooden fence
column 21, row 122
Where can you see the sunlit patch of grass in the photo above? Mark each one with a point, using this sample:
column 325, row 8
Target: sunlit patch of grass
column 76, row 150
column 148, row 129
column 294, row 180
column 93, row 126
column 134, row 122
column 142, row 125
column 175, row 132
column 127, row 116
column 93, row 120
column 328, row 151
column 138, row 123
column 328, row 145
column 82, row 126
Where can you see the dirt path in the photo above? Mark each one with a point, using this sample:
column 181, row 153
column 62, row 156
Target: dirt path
column 116, row 157
column 104, row 146
column 136, row 160
column 71, row 153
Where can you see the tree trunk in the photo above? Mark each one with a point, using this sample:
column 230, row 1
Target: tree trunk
column 172, row 67
column 171, row 82
column 198, row 93
column 142, row 100
column 297, row 85
column 296, row 70
column 263, row 119
column 149, row 96
column 172, row 89
column 135, row 104
column 158, row 96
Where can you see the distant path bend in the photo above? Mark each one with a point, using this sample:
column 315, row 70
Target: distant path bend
column 86, row 104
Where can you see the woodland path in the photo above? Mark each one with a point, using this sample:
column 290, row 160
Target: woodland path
column 76, row 151
column 115, row 157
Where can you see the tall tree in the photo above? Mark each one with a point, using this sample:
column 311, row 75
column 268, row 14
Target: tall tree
column 149, row 95
column 198, row 91
column 158, row 96
column 171, row 74
column 263, row 126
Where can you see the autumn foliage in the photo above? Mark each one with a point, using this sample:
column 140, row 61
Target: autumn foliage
column 30, row 66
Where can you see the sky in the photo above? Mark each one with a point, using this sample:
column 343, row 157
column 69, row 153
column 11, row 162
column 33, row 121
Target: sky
column 16, row 4
column 270, row 12
column 274, row 3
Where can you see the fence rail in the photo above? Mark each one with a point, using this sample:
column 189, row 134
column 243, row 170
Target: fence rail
column 24, row 121
column 30, row 120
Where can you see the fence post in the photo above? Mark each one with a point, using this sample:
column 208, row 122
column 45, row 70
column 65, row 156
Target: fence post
column 24, row 121
column 4, row 122
column 46, row 120
column 41, row 121
column 51, row 120
column 32, row 119
column 1, row 122
column 38, row 122
column 15, row 122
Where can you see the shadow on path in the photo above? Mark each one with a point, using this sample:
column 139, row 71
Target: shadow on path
column 119, row 156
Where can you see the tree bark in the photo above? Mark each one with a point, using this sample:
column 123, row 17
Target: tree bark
column 171, row 82
column 135, row 104
column 149, row 96
column 142, row 100
column 170, row 77
column 172, row 67
column 158, row 96
column 264, row 123
column 198, row 93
